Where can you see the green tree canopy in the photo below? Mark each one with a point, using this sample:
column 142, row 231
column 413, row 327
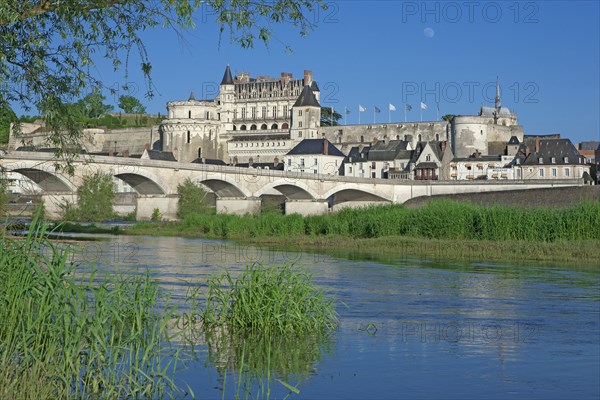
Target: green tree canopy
column 131, row 105
column 448, row 117
column 47, row 47
column 328, row 118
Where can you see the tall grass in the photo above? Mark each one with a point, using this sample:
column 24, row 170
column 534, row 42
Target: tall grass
column 63, row 338
column 270, row 301
column 440, row 219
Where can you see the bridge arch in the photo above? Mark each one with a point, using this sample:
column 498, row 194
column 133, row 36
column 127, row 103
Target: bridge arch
column 47, row 181
column 352, row 192
column 224, row 187
column 295, row 190
column 142, row 182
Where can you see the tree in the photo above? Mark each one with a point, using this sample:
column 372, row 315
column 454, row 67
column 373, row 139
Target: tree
column 448, row 117
column 47, row 47
column 92, row 105
column 326, row 117
column 192, row 199
column 131, row 105
column 6, row 118
column 95, row 199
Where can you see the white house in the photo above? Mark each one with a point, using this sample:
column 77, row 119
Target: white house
column 317, row 156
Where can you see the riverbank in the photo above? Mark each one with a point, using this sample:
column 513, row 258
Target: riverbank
column 438, row 230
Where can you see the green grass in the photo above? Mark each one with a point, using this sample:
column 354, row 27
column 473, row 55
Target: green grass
column 272, row 301
column 438, row 219
column 63, row 338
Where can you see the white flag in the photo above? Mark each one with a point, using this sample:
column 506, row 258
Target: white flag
column 392, row 107
column 361, row 108
column 423, row 106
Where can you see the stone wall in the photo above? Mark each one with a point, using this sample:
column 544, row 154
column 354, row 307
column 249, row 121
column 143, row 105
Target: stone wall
column 549, row 197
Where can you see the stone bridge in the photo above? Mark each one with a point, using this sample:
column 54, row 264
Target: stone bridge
column 238, row 190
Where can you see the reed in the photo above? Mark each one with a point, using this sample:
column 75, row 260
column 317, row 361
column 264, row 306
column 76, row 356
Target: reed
column 270, row 301
column 441, row 219
column 66, row 338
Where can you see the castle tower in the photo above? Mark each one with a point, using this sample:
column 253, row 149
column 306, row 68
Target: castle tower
column 306, row 116
column 226, row 101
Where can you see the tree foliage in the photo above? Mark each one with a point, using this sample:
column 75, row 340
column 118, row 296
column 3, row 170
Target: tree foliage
column 6, row 118
column 192, row 199
column 328, row 118
column 95, row 199
column 47, row 48
column 448, row 117
column 131, row 105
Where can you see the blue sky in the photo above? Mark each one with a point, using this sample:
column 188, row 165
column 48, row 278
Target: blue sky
column 546, row 55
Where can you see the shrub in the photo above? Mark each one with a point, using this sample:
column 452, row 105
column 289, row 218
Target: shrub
column 192, row 199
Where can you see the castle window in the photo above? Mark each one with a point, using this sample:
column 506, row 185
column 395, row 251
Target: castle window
column 567, row 171
column 553, row 160
column 427, row 157
column 285, row 125
column 274, row 111
column 199, row 152
column 263, row 126
column 541, row 160
column 300, row 134
column 299, row 113
column 566, row 160
column 437, row 137
column 189, row 137
column 253, row 112
column 274, row 126
column 419, row 137
column 541, row 172
column 243, row 112
column 264, row 112
column 300, row 124
column 207, row 115
column 189, row 114
column 554, row 172
column 285, row 111
column 243, row 128
column 234, row 128
column 362, row 138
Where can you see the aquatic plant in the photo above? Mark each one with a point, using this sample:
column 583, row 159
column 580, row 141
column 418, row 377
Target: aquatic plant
column 65, row 338
column 270, row 301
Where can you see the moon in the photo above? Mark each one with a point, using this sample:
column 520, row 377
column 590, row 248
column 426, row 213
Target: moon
column 428, row 32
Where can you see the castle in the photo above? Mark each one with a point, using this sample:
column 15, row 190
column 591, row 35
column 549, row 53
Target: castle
column 261, row 119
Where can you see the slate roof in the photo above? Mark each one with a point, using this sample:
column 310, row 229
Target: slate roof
column 208, row 161
column 426, row 165
column 227, row 78
column 160, row 155
column 314, row 87
column 557, row 148
column 357, row 155
column 315, row 146
column 492, row 110
column 514, row 140
column 382, row 151
column 307, row 98
column 589, row 145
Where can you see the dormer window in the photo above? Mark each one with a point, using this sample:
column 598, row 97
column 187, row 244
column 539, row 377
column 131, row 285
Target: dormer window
column 541, row 160
column 428, row 158
column 553, row 160
column 566, row 160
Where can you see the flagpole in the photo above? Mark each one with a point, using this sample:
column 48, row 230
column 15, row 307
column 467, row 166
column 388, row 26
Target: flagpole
column 421, row 107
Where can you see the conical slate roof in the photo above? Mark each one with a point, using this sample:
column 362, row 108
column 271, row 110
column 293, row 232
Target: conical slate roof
column 227, row 79
column 307, row 98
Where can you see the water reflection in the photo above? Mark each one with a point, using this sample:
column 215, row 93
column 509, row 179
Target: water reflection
column 466, row 330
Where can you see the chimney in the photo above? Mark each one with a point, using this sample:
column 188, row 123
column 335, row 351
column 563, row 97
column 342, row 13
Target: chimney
column 308, row 77
column 325, row 147
column 537, row 144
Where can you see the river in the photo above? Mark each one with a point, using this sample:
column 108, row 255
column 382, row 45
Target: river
column 408, row 328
